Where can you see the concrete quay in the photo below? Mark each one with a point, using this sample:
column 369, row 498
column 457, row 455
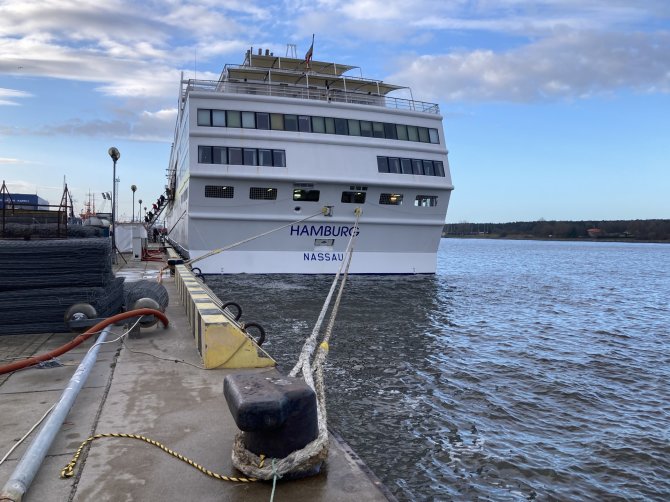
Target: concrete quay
column 137, row 387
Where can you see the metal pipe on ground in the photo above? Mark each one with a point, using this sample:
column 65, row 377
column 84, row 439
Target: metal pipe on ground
column 25, row 471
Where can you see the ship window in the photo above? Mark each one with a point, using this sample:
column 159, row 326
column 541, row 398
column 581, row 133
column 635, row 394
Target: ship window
column 204, row 154
column 383, row 164
column 219, row 192
column 249, row 120
column 304, row 123
column 235, row 156
column 417, row 166
column 390, row 199
column 354, row 128
column 428, row 168
column 341, row 126
column 401, row 131
column 278, row 158
column 306, row 195
column 290, row 122
column 318, row 124
column 423, row 134
column 204, row 117
column 262, row 120
column 439, row 168
column 277, row 121
column 394, row 165
column 378, row 129
column 406, row 166
column 433, row 135
column 353, row 197
column 250, row 157
column 412, row 133
column 263, row 193
column 219, row 118
column 264, row 157
column 330, row 125
column 219, row 155
column 366, row 128
column 390, row 131
column 425, row 201
column 233, row 118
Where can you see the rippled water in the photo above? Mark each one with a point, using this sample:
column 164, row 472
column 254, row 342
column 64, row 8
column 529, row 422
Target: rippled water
column 523, row 370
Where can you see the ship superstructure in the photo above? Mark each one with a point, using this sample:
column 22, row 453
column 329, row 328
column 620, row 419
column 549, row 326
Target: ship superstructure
column 277, row 139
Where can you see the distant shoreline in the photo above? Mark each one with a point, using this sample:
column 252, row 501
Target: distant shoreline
column 567, row 239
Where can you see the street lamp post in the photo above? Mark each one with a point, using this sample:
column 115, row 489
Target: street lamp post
column 139, row 211
column 115, row 155
column 133, row 188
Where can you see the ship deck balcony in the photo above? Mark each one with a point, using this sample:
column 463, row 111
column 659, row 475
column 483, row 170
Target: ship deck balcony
column 307, row 93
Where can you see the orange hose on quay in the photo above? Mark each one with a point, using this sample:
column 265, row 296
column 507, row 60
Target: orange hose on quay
column 17, row 365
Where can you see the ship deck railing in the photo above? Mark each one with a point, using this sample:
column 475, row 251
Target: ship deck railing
column 308, row 93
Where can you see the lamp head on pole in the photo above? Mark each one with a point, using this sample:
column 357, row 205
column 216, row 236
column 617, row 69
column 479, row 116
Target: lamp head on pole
column 114, row 153
column 133, row 188
column 140, row 201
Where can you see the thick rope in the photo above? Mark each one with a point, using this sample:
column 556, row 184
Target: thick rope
column 68, row 470
column 316, row 452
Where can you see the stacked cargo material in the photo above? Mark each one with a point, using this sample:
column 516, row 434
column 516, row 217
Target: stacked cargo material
column 40, row 280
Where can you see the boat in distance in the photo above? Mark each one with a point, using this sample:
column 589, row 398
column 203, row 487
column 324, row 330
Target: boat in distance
column 300, row 146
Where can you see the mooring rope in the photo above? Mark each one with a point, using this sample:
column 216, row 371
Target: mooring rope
column 304, row 460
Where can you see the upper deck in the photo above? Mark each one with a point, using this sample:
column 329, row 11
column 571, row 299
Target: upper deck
column 269, row 75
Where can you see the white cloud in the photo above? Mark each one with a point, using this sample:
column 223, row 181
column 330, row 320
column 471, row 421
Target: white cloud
column 8, row 96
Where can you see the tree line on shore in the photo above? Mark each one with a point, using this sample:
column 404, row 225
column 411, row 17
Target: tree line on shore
column 636, row 230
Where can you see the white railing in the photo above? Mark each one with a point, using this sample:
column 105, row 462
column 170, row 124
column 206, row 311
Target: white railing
column 304, row 92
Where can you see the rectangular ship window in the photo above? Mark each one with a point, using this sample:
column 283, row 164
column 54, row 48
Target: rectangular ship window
column 204, row 154
column 354, row 127
column 406, row 166
column 428, row 169
column 401, row 131
column 378, row 129
column 219, row 155
column 262, row 120
column 417, row 166
column 250, row 158
column 258, row 193
column 233, row 118
column 353, row 197
column 235, row 156
column 390, row 199
column 394, row 165
column 330, row 125
column 390, row 131
column 204, row 117
column 383, row 164
column 290, row 122
column 439, row 168
column 425, row 201
column 219, row 192
column 304, row 123
column 277, row 122
column 249, row 120
column 279, row 158
column 318, row 124
column 412, row 133
column 219, row 118
column 433, row 135
column 264, row 157
column 366, row 128
column 423, row 135
column 306, row 195
column 341, row 126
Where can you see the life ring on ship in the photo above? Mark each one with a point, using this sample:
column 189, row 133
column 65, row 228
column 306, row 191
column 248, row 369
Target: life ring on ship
column 198, row 274
column 236, row 305
column 261, row 331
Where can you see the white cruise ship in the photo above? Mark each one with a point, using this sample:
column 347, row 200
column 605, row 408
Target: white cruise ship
column 277, row 139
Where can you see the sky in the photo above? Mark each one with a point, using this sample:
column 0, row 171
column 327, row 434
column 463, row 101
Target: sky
column 553, row 109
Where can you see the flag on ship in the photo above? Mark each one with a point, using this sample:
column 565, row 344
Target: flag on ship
column 308, row 54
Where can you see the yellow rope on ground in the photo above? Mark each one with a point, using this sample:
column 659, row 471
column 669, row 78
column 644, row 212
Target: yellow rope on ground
column 68, row 470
